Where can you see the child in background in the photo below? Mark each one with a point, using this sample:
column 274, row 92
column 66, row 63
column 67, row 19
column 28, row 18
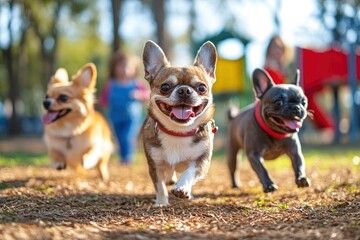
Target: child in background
column 123, row 95
column 275, row 59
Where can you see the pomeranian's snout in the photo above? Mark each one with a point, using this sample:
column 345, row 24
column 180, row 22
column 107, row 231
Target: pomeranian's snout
column 47, row 103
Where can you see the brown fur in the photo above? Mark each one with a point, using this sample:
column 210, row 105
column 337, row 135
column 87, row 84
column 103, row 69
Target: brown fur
column 167, row 154
column 82, row 138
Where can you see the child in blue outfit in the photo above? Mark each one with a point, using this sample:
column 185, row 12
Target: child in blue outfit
column 124, row 95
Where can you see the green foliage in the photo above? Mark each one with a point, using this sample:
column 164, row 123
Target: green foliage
column 21, row 158
column 56, row 33
column 76, row 53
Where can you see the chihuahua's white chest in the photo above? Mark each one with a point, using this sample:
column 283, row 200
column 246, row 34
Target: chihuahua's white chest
column 179, row 149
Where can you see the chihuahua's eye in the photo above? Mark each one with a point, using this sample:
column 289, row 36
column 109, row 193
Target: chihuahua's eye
column 278, row 103
column 165, row 88
column 63, row 98
column 202, row 88
column 47, row 96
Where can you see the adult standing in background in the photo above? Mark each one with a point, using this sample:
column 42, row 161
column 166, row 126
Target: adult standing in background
column 275, row 62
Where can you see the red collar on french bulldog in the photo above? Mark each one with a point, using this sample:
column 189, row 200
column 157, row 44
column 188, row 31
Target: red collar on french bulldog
column 186, row 134
column 265, row 127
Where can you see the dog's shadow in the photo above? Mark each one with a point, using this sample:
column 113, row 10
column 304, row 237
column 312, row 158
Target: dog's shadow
column 25, row 182
column 13, row 184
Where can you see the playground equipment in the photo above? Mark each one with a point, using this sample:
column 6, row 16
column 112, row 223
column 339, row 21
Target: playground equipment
column 325, row 68
column 230, row 73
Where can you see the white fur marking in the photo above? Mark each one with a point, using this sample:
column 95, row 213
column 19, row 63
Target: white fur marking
column 91, row 159
column 187, row 179
column 162, row 198
column 173, row 79
column 176, row 150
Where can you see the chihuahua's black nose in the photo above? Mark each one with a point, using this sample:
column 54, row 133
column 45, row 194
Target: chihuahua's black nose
column 47, row 103
column 184, row 91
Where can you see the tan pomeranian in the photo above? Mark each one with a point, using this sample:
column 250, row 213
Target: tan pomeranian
column 75, row 134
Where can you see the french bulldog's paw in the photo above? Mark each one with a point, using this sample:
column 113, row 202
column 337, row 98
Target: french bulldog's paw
column 181, row 193
column 302, row 182
column 270, row 188
column 60, row 166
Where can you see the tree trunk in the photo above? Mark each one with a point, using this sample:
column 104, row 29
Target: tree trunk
column 48, row 54
column 116, row 12
column 158, row 9
column 13, row 81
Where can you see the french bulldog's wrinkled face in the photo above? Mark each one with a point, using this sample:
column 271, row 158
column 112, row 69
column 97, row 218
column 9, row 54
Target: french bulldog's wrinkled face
column 181, row 95
column 284, row 106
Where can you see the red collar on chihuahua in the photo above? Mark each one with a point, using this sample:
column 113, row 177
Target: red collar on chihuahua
column 181, row 107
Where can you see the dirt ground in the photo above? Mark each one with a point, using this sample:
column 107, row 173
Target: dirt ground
column 42, row 203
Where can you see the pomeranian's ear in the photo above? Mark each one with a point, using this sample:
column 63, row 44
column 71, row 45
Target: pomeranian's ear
column 86, row 76
column 60, row 76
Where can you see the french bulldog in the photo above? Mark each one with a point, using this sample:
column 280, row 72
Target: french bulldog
column 179, row 130
column 269, row 128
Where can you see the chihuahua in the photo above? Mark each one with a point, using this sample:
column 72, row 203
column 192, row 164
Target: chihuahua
column 269, row 128
column 75, row 134
column 178, row 133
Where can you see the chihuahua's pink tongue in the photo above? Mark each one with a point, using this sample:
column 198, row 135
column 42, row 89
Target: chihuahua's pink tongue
column 182, row 112
column 49, row 117
column 293, row 124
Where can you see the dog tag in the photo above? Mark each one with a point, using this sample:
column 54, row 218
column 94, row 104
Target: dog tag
column 214, row 127
column 68, row 144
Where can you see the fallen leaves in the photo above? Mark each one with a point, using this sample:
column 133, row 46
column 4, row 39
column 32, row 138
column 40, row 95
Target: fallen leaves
column 43, row 203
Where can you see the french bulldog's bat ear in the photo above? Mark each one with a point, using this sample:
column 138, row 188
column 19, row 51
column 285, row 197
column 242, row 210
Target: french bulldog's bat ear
column 60, row 76
column 262, row 82
column 297, row 77
column 86, row 76
column 206, row 58
column 154, row 59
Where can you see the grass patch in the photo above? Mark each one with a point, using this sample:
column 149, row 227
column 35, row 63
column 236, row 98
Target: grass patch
column 23, row 159
column 321, row 157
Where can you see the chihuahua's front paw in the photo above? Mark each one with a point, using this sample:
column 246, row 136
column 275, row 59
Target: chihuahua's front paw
column 302, row 182
column 60, row 166
column 270, row 188
column 181, row 193
column 161, row 202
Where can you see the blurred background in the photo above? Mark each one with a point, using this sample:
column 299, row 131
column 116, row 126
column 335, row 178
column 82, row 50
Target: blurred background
column 321, row 38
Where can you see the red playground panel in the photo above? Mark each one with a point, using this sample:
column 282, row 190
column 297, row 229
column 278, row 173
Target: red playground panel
column 320, row 68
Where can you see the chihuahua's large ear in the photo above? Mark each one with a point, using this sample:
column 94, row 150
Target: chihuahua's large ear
column 206, row 58
column 154, row 59
column 60, row 76
column 86, row 76
column 262, row 82
column 297, row 77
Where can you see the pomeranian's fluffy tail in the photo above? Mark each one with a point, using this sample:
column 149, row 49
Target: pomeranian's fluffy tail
column 232, row 112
